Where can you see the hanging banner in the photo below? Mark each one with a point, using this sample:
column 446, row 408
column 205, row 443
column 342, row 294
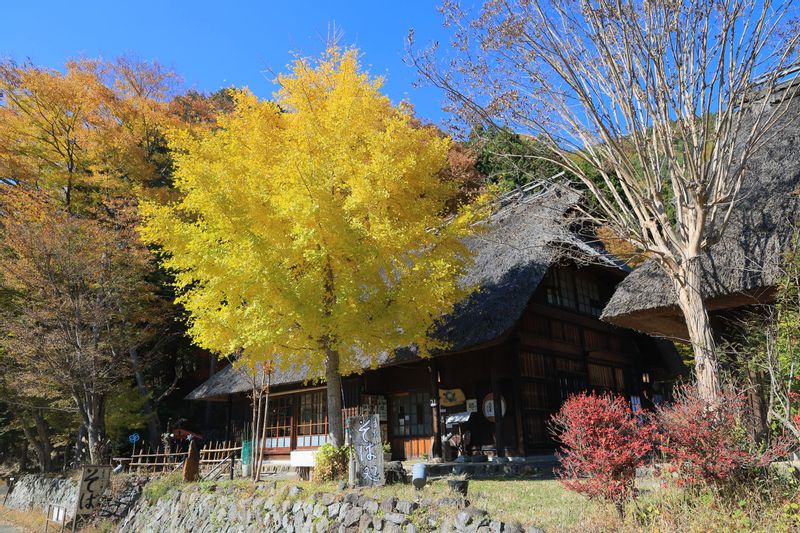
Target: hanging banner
column 451, row 397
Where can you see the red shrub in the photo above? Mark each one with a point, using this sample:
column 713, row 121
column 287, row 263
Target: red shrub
column 602, row 444
column 710, row 444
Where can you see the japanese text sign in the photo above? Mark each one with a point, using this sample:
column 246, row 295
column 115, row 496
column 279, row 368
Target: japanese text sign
column 365, row 435
column 94, row 482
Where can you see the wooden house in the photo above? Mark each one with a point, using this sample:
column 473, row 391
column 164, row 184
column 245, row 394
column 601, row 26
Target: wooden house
column 530, row 336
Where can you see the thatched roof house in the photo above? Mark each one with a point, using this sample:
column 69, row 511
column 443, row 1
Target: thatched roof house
column 522, row 240
column 744, row 266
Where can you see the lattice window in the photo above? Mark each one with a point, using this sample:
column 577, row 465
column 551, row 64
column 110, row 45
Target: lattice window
column 576, row 292
column 588, row 296
column 532, row 365
column 312, row 426
column 534, row 395
column 411, row 415
column 601, row 376
column 279, row 423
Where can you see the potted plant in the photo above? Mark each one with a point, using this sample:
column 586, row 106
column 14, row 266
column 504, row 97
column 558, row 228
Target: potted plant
column 458, row 484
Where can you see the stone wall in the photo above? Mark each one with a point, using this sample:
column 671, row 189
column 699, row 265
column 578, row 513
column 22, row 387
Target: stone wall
column 37, row 491
column 221, row 509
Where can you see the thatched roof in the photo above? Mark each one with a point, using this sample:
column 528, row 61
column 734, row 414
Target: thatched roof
column 746, row 261
column 520, row 243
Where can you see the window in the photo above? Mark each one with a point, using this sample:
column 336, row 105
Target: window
column 312, row 427
column 411, row 415
column 532, row 365
column 279, row 423
column 606, row 377
column 588, row 297
column 561, row 291
column 534, row 395
column 574, row 291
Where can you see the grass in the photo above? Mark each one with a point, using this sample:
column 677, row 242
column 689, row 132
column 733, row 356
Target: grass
column 28, row 521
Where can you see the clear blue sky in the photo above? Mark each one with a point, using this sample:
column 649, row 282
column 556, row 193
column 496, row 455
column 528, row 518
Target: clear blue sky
column 219, row 44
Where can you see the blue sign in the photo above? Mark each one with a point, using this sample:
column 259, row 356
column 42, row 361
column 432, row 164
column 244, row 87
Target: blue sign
column 133, row 438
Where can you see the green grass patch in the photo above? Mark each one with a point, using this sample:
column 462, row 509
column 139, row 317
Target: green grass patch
column 161, row 487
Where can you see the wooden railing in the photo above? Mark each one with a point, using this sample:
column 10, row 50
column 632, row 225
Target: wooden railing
column 166, row 460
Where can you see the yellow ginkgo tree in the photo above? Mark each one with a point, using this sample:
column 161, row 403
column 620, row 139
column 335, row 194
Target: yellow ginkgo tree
column 311, row 228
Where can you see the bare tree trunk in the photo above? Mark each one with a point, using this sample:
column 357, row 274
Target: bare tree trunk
column 80, row 449
column 263, row 438
column 333, row 386
column 690, row 300
column 43, row 433
column 44, row 458
column 92, row 412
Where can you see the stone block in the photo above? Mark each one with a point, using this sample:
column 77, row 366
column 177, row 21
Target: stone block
column 388, row 503
column 364, row 522
column 406, row 507
column 371, row 506
column 352, row 517
column 396, row 518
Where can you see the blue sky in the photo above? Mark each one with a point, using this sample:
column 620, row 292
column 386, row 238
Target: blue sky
column 219, row 44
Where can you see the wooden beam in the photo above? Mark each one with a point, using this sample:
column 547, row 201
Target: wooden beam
column 436, row 412
column 498, row 413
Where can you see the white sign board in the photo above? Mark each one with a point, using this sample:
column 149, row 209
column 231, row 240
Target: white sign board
column 95, row 479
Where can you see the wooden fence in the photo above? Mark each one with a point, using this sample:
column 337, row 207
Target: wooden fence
column 163, row 460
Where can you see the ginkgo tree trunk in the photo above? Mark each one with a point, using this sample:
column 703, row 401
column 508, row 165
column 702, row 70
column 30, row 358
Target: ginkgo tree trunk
column 655, row 108
column 310, row 230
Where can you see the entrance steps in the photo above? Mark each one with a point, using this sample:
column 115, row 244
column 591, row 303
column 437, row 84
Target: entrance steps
column 278, row 470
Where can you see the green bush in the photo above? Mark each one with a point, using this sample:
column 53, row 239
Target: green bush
column 331, row 463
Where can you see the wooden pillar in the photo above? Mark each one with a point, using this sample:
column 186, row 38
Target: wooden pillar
column 518, row 407
column 498, row 413
column 436, row 412
column 228, row 416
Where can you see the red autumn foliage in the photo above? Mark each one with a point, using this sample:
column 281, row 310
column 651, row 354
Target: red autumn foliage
column 706, row 444
column 602, row 444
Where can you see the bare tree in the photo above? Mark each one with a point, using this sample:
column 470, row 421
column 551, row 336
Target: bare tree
column 655, row 107
column 82, row 302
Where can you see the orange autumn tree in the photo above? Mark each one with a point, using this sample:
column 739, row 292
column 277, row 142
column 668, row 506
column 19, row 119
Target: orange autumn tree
column 93, row 131
column 75, row 150
column 81, row 303
column 311, row 229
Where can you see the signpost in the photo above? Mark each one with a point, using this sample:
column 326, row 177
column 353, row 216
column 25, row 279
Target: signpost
column 95, row 479
column 367, row 455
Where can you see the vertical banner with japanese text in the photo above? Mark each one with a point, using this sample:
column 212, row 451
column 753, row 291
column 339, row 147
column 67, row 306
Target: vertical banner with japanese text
column 365, row 436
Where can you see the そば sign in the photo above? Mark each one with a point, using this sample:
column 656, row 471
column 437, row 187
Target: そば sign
column 95, row 479
column 365, row 436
